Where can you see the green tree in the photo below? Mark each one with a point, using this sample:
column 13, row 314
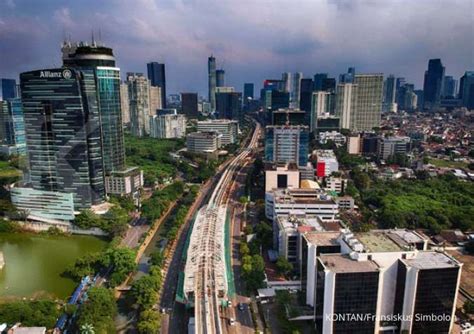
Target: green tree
column 149, row 322
column 468, row 307
column 30, row 313
column 122, row 261
column 284, row 267
column 144, row 291
column 98, row 310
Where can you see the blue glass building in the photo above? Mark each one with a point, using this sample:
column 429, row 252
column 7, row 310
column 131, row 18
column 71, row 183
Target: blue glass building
column 157, row 77
column 7, row 89
column 12, row 125
column 287, row 144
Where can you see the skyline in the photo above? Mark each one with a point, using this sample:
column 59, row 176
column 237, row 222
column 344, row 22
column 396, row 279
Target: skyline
column 249, row 41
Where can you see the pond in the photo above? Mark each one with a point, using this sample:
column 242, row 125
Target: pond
column 34, row 263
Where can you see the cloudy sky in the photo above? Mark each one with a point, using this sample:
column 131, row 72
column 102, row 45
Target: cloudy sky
column 251, row 39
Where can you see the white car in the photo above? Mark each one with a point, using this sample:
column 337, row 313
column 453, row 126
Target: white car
column 466, row 325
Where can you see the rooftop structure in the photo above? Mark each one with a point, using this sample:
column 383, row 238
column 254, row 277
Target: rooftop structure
column 339, row 263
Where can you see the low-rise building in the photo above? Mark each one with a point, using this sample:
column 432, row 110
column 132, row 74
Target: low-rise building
column 229, row 129
column 345, row 202
column 392, row 145
column 326, row 163
column 334, row 136
column 203, row 142
column 125, row 182
column 336, row 184
column 281, row 176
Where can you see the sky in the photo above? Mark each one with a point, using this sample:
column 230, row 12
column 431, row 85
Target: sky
column 252, row 40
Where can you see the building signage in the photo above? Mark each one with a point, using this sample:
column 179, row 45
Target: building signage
column 66, row 74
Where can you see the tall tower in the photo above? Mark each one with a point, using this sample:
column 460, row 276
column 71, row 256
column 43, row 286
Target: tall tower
column 346, row 102
column 390, row 93
column 369, row 101
column 212, row 76
column 157, row 77
column 433, row 84
column 220, row 78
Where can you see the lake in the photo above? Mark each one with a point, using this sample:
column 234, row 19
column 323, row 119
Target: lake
column 34, row 263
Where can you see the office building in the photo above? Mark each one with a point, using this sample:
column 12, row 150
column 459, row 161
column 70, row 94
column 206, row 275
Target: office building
column 326, row 163
column 320, row 107
column 101, row 59
column 433, row 84
column 155, row 102
column 348, row 77
column 369, row 101
column 139, row 96
column 466, row 90
column 335, row 184
column 229, row 105
column 126, row 181
column 281, row 176
column 334, row 136
column 287, row 144
column 354, row 144
column 229, row 129
column 295, row 89
column 12, row 127
column 189, row 104
column 168, row 125
column 220, row 78
column 390, row 94
column 327, row 123
column 157, row 77
column 300, row 200
column 63, row 133
column 318, row 81
column 449, row 87
column 288, row 116
column 306, row 94
column 275, row 99
column 390, row 146
column 225, row 89
column 125, row 104
column 346, row 104
column 8, row 89
column 248, row 92
column 212, row 81
column 407, row 97
column 203, row 142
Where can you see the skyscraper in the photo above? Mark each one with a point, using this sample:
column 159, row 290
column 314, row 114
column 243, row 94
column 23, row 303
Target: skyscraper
column 347, row 77
column 212, row 77
column 466, row 90
column 229, row 105
column 306, row 92
column 320, row 106
column 449, row 87
column 433, row 84
column 287, row 144
column 12, row 127
column 390, row 91
column 102, row 61
column 125, row 103
column 138, row 94
column 369, row 101
column 295, row 89
column 157, row 77
column 7, row 89
column 248, row 91
column 220, row 78
column 155, row 100
column 189, row 104
column 319, row 81
column 346, row 104
column 63, row 133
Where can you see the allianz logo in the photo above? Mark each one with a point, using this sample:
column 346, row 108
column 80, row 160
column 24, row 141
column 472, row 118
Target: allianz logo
column 66, row 74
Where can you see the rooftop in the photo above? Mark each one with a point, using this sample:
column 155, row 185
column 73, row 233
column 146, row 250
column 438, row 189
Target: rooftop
column 377, row 242
column 344, row 264
column 432, row 260
column 322, row 238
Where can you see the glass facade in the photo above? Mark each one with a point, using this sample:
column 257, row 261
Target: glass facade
column 12, row 131
column 63, row 133
column 157, row 77
column 284, row 144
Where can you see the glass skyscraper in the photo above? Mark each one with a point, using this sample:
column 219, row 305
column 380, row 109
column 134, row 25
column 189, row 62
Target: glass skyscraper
column 7, row 89
column 157, row 77
column 12, row 125
column 63, row 133
column 287, row 144
column 433, row 84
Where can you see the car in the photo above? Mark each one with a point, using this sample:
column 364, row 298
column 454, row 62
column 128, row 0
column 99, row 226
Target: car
column 241, row 306
column 231, row 321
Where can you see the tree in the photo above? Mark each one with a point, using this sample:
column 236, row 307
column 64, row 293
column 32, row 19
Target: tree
column 98, row 310
column 468, row 307
column 284, row 267
column 122, row 261
column 30, row 313
column 144, row 291
column 149, row 322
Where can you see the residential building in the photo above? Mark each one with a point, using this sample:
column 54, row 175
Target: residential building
column 298, row 200
column 390, row 146
column 346, row 105
column 281, row 176
column 326, row 163
column 335, row 184
column 345, row 203
column 139, row 95
column 125, row 104
column 203, row 142
column 63, row 133
column 369, row 101
column 287, row 144
column 167, row 126
column 229, row 129
column 433, row 84
column 157, row 77
column 189, row 104
column 229, row 105
column 12, row 127
column 212, row 81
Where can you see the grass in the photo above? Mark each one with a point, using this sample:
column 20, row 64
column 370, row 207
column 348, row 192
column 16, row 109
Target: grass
column 447, row 163
column 7, row 171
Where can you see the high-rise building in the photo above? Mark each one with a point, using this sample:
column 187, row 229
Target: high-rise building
column 248, row 93
column 287, row 144
column 229, row 105
column 220, row 78
column 306, row 92
column 125, row 103
column 169, row 125
column 287, row 82
column 12, row 127
column 319, row 79
column 466, row 90
column 348, row 77
column 346, row 104
column 449, row 87
column 157, row 77
column 212, row 77
column 63, row 133
column 295, row 89
column 369, row 101
column 407, row 97
column 229, row 129
column 101, row 59
column 8, row 89
column 189, row 104
column 139, row 95
column 433, row 84
column 320, row 106
column 288, row 116
column 155, row 100
column 390, row 94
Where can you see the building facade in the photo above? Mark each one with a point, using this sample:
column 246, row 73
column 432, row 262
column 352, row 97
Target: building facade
column 139, row 95
column 229, row 129
column 203, row 142
column 168, row 126
column 433, row 84
column 369, row 101
column 157, row 77
column 189, row 105
column 228, row 105
column 212, row 81
column 12, row 127
column 287, row 144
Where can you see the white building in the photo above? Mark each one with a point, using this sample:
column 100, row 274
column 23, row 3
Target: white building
column 298, row 200
column 125, row 103
column 336, row 184
column 392, row 145
column 281, row 176
column 326, row 163
column 155, row 99
column 354, row 145
column 320, row 106
column 203, row 142
column 346, row 104
column 336, row 137
column 229, row 129
column 126, row 182
column 139, row 97
column 168, row 126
